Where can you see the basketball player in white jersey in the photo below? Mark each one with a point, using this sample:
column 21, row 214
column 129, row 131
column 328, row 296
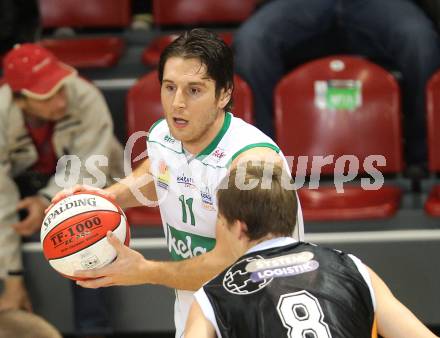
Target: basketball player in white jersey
column 190, row 151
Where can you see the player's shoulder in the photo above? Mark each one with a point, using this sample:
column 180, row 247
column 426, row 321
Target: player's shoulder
column 244, row 138
column 157, row 128
column 246, row 131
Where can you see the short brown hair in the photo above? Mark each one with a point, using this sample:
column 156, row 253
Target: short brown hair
column 265, row 210
column 212, row 52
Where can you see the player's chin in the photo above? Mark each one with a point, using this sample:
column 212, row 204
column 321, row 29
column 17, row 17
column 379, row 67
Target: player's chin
column 182, row 135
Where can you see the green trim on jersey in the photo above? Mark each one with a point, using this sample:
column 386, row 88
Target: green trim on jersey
column 254, row 145
column 209, row 149
column 155, row 124
column 183, row 245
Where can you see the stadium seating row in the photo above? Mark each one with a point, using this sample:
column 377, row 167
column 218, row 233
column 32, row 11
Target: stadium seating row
column 106, row 51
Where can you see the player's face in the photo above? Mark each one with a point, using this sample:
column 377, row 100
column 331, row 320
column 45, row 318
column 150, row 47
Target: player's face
column 51, row 109
column 193, row 112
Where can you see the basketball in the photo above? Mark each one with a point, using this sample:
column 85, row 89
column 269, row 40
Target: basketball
column 73, row 233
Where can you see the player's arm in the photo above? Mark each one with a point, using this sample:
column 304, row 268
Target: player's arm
column 131, row 191
column 388, row 308
column 258, row 154
column 197, row 326
column 131, row 268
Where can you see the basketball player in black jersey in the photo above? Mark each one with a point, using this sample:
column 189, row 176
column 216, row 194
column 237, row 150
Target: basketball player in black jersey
column 279, row 287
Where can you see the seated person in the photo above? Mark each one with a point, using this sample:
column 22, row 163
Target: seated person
column 47, row 111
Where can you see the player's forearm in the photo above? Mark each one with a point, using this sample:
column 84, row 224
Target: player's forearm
column 388, row 308
column 408, row 325
column 189, row 274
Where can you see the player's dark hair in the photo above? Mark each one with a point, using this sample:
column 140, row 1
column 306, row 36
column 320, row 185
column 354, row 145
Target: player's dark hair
column 265, row 209
column 212, row 52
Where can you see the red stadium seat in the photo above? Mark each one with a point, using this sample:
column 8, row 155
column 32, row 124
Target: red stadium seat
column 144, row 108
column 432, row 205
column 341, row 106
column 196, row 12
column 87, row 52
column 151, row 54
column 85, row 13
column 81, row 52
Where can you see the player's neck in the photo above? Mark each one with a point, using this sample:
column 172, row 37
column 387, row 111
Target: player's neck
column 251, row 244
column 200, row 144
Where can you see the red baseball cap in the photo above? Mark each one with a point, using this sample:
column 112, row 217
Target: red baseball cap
column 34, row 71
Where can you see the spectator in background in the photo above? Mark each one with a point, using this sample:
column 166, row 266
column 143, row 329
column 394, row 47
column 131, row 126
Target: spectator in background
column 397, row 32
column 46, row 111
column 21, row 324
column 19, row 22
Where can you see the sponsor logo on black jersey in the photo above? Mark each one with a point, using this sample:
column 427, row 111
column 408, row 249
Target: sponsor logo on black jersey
column 282, row 266
column 284, row 271
column 276, row 262
column 237, row 279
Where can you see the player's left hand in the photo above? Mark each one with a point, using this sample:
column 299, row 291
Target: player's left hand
column 127, row 269
column 35, row 206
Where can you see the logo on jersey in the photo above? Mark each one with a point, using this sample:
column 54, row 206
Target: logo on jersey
column 183, row 245
column 207, row 200
column 285, row 271
column 237, row 279
column 286, row 260
column 187, row 182
column 163, row 179
column 169, row 139
column 218, row 154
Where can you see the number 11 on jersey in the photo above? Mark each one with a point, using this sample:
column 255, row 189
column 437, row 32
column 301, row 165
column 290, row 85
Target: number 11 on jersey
column 188, row 202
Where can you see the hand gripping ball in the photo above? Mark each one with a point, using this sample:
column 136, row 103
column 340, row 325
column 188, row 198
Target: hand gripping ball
column 73, row 233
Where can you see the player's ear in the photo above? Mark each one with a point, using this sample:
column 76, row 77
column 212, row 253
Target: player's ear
column 242, row 230
column 225, row 97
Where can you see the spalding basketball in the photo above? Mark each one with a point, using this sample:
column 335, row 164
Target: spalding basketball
column 73, row 233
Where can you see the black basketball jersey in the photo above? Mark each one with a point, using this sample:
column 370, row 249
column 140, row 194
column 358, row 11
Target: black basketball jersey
column 298, row 290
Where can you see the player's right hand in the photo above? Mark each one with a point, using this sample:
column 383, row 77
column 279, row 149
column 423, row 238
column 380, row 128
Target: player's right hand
column 78, row 188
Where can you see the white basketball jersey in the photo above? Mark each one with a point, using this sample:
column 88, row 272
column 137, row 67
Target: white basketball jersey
column 186, row 187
